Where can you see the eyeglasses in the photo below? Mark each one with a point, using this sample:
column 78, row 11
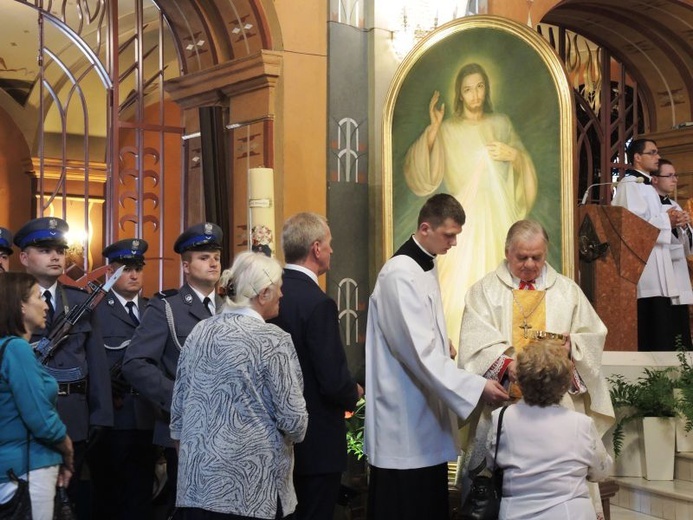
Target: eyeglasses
column 651, row 152
column 675, row 176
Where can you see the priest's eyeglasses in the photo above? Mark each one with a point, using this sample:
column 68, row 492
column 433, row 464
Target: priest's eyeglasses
column 674, row 175
column 651, row 152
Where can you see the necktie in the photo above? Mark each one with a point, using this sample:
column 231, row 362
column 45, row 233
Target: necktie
column 47, row 296
column 131, row 311
column 528, row 285
column 208, row 303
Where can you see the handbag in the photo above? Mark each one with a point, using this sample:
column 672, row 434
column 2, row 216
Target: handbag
column 62, row 507
column 484, row 498
column 19, row 506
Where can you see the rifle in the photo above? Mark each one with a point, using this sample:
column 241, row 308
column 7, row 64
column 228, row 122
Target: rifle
column 45, row 348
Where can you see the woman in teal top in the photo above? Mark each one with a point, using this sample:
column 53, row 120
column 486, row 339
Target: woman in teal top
column 28, row 396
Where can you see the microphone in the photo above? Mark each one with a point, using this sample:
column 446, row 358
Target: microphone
column 638, row 180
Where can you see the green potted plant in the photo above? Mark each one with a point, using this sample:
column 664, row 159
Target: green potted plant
column 684, row 393
column 354, row 423
column 651, row 399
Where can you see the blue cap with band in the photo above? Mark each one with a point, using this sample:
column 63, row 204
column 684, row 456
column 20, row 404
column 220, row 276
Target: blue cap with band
column 129, row 251
column 200, row 237
column 44, row 231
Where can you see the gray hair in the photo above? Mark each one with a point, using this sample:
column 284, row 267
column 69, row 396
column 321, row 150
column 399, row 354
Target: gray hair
column 249, row 275
column 525, row 230
column 300, row 232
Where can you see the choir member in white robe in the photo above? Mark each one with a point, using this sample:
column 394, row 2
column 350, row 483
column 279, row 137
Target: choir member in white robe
column 664, row 181
column 413, row 387
column 492, row 330
column 658, row 285
column 483, row 163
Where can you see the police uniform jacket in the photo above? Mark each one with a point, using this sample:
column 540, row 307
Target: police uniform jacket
column 82, row 349
column 151, row 359
column 117, row 328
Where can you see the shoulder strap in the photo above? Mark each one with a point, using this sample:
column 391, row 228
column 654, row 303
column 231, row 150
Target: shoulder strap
column 500, row 423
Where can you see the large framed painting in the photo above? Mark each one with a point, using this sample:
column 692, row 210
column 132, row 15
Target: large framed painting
column 480, row 109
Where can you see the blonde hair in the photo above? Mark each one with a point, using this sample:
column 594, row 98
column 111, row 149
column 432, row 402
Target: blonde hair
column 250, row 274
column 543, row 372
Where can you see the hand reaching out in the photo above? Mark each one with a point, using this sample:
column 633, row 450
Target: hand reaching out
column 494, row 393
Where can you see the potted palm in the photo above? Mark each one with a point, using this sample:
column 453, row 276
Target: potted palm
column 650, row 401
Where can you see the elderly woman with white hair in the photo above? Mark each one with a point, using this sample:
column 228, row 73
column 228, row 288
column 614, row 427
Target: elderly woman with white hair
column 238, row 404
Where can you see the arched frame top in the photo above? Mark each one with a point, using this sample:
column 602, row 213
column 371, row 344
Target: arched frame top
column 564, row 161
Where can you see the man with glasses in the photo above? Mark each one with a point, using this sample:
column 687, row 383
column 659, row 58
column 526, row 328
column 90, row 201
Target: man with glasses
column 665, row 182
column 658, row 286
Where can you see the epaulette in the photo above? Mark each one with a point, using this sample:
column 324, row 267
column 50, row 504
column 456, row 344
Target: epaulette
column 167, row 293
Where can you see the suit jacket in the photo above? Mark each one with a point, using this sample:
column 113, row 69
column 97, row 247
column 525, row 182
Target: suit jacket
column 151, row 359
column 311, row 317
column 83, row 349
column 130, row 411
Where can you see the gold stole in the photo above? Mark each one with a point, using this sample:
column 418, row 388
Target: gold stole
column 529, row 316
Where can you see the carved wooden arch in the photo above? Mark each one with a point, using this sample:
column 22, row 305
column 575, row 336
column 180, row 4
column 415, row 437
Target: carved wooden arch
column 210, row 33
column 229, row 58
column 652, row 38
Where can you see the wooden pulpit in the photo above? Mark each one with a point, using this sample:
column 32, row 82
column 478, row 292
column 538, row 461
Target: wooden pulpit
column 614, row 245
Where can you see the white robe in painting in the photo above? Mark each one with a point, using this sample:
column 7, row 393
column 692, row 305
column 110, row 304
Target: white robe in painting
column 494, row 195
column 412, row 385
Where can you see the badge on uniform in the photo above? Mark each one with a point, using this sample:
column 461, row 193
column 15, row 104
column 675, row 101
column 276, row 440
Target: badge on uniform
column 111, row 302
column 188, row 298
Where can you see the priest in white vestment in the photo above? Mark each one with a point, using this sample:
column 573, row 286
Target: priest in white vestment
column 526, row 299
column 414, row 390
column 484, row 164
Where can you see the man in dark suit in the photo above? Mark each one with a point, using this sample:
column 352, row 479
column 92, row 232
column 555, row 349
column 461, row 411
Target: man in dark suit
column 122, row 464
column 151, row 359
column 310, row 316
column 79, row 363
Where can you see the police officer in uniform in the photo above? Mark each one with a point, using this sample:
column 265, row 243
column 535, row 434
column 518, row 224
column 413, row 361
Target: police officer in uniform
column 122, row 464
column 151, row 358
column 5, row 249
column 79, row 363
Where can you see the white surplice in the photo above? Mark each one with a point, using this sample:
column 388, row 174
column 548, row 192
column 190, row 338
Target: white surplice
column 658, row 277
column 412, row 385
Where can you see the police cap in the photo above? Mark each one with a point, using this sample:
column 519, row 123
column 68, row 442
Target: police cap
column 200, row 237
column 44, row 231
column 129, row 251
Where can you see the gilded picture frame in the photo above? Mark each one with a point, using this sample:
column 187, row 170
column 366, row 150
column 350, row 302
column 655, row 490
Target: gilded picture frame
column 531, row 115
